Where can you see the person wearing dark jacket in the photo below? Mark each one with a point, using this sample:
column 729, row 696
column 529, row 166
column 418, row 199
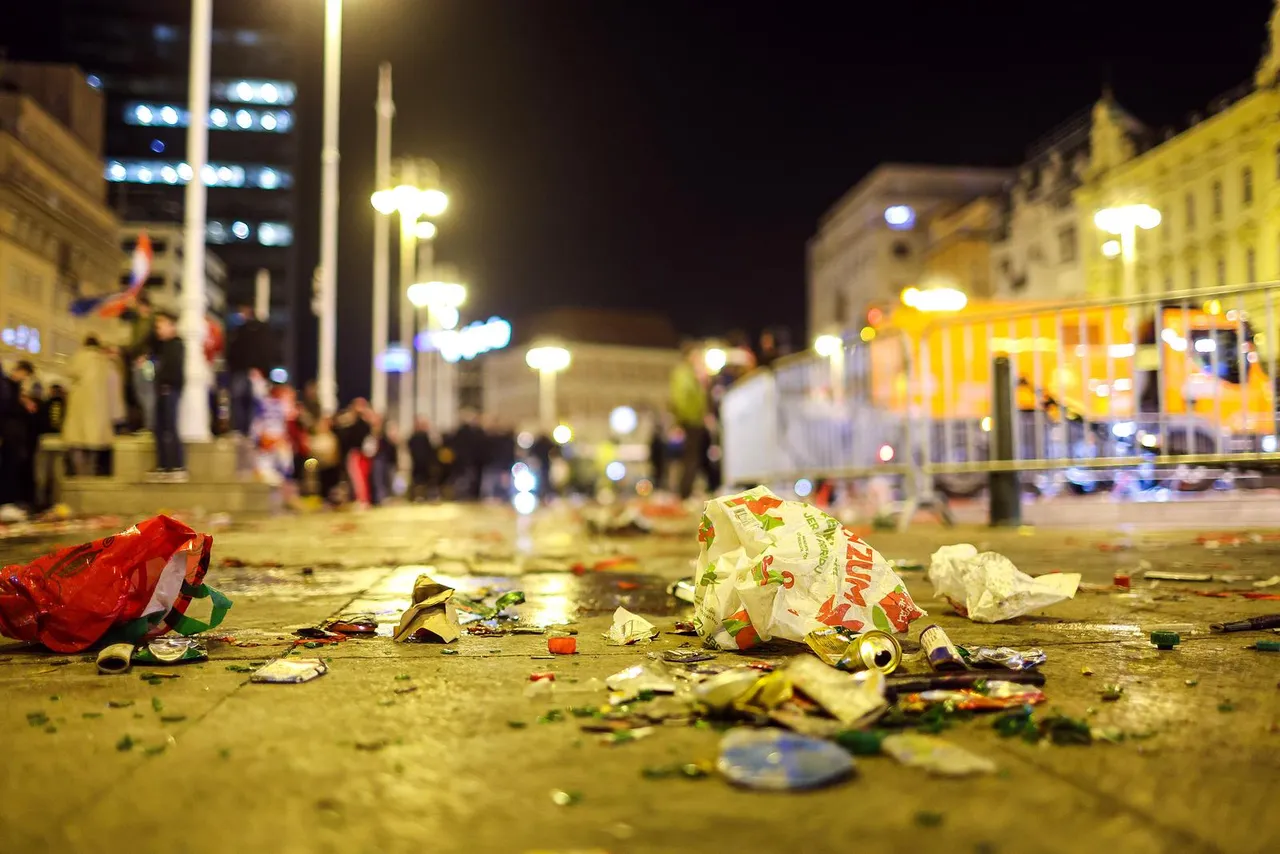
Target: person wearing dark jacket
column 422, row 452
column 170, row 357
column 17, row 424
column 251, row 348
column 48, row 419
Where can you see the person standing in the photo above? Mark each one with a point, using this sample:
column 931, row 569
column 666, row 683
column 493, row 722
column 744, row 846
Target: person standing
column 689, row 406
column 17, row 423
column 49, row 419
column 88, row 430
column 251, row 353
column 138, row 357
column 170, row 360
column 422, row 454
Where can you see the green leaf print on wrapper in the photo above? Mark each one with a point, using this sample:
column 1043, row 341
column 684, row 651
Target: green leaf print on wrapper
column 880, row 619
column 706, row 531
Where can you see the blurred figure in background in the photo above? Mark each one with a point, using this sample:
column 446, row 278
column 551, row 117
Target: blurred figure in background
column 768, row 352
column 170, row 363
column 251, row 350
column 87, row 431
column 116, row 395
column 384, row 462
column 328, row 456
column 137, row 354
column 469, row 451
column 49, row 419
column 658, row 451
column 353, row 430
column 500, row 456
column 17, row 425
column 689, row 407
column 422, row 456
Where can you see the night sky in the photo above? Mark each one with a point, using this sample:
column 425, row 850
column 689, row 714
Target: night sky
column 675, row 155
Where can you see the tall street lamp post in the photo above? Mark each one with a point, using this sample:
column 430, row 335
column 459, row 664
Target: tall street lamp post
column 548, row 360
column 193, row 421
column 437, row 303
column 327, row 379
column 411, row 202
column 386, row 109
column 1124, row 222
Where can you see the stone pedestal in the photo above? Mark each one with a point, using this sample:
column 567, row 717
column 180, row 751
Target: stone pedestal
column 214, row 486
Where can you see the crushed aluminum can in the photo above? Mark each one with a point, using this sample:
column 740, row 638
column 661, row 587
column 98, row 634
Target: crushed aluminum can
column 170, row 651
column 357, row 624
column 777, row 760
column 115, row 659
column 686, row 655
column 872, row 650
column 940, row 652
column 289, row 671
column 1003, row 656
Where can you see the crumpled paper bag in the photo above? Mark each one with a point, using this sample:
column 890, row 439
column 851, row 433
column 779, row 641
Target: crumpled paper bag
column 988, row 588
column 432, row 617
column 771, row 568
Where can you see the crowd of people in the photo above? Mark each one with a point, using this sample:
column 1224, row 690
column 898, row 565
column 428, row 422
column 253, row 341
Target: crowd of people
column 356, row 455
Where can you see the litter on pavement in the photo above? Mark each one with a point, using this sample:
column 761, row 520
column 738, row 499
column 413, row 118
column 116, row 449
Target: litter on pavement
column 777, row 760
column 171, row 651
column 629, row 628
column 987, row 588
column 772, row 568
column 290, row 671
column 432, row 618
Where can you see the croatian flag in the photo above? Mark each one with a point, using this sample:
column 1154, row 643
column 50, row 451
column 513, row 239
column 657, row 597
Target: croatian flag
column 113, row 305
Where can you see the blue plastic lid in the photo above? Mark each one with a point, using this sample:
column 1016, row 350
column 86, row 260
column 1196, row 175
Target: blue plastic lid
column 779, row 760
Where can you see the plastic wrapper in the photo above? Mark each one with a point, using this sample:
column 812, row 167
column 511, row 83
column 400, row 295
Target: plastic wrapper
column 629, row 628
column 1003, row 656
column 988, row 588
column 854, row 699
column 996, row 694
column 289, row 671
column 650, row 676
column 771, row 568
column 171, row 651
column 935, row 755
column 130, row 587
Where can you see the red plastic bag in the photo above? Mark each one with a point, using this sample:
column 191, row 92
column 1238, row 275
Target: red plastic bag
column 130, row 587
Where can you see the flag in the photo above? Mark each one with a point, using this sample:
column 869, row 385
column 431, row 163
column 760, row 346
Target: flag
column 113, row 305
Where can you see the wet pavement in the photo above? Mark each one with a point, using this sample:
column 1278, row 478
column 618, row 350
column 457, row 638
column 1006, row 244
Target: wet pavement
column 404, row 748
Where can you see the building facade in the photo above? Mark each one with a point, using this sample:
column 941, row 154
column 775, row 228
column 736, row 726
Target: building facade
column 57, row 234
column 1039, row 254
column 618, row 359
column 137, row 53
column 876, row 240
column 1216, row 185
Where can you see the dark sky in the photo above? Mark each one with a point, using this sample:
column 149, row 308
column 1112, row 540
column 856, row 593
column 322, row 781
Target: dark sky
column 675, row 155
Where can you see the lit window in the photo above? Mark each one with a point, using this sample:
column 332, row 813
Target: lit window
column 184, row 171
column 94, row 81
column 157, row 146
column 268, row 121
column 215, row 232
column 218, row 117
column 269, row 92
column 209, row 175
column 244, row 91
column 143, row 113
column 115, row 171
column 275, row 234
column 240, row 229
column 284, row 119
column 213, row 174
column 144, row 175
column 169, row 174
column 244, row 119
column 169, row 115
column 224, row 174
column 268, row 179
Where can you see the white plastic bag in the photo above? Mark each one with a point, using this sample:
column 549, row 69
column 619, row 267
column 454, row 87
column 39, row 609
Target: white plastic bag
column 988, row 588
column 771, row 568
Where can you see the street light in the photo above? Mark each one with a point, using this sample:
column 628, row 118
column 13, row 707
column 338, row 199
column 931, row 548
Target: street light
column 715, row 359
column 411, row 202
column 327, row 379
column 831, row 348
column 548, row 360
column 1124, row 222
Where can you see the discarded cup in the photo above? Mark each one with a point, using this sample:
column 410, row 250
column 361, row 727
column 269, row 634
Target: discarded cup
column 777, row 760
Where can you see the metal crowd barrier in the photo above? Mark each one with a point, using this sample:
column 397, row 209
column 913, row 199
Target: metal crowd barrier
column 1157, row 383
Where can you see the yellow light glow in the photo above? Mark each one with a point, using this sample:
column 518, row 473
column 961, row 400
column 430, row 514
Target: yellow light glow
column 424, row 230
column 562, row 434
column 867, row 333
column 1213, row 306
column 715, row 359
column 437, row 294
column 433, row 202
column 547, row 358
column 827, row 346
column 1111, row 248
column 934, row 299
column 1118, row 220
column 986, row 424
column 384, row 202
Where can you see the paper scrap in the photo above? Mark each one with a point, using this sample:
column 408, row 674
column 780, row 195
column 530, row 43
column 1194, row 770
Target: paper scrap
column 936, row 756
column 432, row 618
column 290, row 670
column 629, row 628
column 854, row 699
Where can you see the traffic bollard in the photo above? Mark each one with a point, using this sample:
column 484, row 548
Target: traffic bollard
column 1005, row 508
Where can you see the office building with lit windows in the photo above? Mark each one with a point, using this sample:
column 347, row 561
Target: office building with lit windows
column 137, row 53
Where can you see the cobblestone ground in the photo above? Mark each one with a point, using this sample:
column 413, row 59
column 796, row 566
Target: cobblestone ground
column 403, row 748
